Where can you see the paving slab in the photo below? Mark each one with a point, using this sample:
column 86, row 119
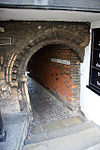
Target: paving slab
column 72, row 121
column 36, row 138
column 53, row 126
column 38, row 147
column 36, row 130
column 75, row 141
column 52, row 132
column 94, row 147
column 16, row 127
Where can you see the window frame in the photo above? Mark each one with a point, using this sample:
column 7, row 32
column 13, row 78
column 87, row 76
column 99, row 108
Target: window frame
column 95, row 49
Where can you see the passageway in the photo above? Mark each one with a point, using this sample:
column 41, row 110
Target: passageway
column 53, row 77
column 45, row 106
column 51, row 118
column 53, row 82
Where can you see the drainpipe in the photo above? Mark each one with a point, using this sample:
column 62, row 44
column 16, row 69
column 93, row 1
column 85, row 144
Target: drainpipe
column 2, row 132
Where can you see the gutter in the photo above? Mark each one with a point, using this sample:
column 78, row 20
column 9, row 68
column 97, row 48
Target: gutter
column 50, row 7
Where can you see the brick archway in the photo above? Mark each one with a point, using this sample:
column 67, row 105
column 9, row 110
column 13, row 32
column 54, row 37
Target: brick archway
column 57, row 68
column 16, row 63
column 19, row 59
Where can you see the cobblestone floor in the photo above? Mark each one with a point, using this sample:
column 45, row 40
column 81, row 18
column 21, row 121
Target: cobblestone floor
column 51, row 118
column 46, row 108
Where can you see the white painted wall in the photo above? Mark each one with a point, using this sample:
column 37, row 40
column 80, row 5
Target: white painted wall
column 89, row 101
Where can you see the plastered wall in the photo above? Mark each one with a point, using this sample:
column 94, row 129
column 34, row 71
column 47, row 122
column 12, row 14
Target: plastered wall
column 89, row 101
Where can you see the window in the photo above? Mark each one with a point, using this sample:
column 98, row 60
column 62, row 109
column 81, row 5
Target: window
column 94, row 80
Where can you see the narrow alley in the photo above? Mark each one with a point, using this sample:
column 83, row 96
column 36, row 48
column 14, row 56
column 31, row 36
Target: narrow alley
column 50, row 115
column 45, row 106
column 52, row 86
column 54, row 124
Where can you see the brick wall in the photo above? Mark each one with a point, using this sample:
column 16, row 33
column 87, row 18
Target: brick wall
column 60, row 79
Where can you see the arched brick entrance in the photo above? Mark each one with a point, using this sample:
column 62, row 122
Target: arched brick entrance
column 57, row 68
column 69, row 35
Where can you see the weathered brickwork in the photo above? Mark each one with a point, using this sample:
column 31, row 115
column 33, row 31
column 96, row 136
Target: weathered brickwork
column 26, row 39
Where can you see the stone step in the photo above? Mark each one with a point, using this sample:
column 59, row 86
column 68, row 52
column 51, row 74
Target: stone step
column 94, row 147
column 16, row 127
column 59, row 132
column 77, row 140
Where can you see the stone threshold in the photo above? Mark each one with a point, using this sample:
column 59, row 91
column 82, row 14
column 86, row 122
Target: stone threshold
column 57, row 129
